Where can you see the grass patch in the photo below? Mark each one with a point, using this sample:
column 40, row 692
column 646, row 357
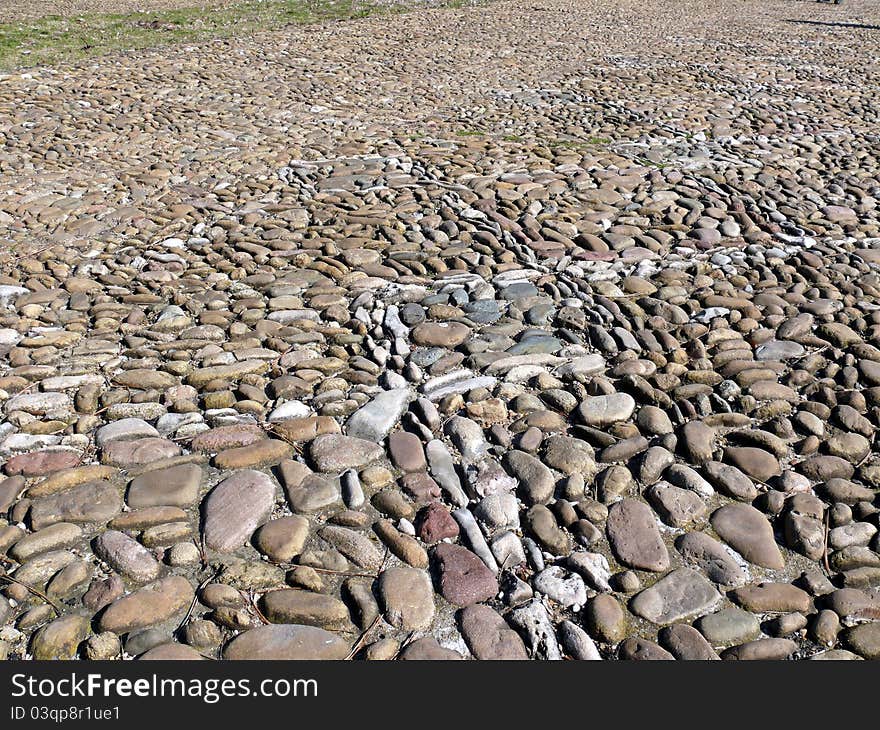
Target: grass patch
column 54, row 40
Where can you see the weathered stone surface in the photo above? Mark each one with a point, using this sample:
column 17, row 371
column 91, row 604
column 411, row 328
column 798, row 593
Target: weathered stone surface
column 335, row 453
column 304, row 607
column 756, row 463
column 235, row 508
column 635, row 538
column 39, row 463
column 61, row 638
column 549, row 326
column 125, row 429
column 353, row 545
column 267, row 452
column 375, row 420
column 90, row 502
column 676, row 506
column 286, row 641
column 728, row 627
column 172, row 652
column 305, row 428
column 138, row 452
column 153, row 604
column 227, row 437
column 428, row 649
column 282, row 539
column 681, row 594
column 730, row 481
column 686, row 643
column 463, row 579
column 127, row 556
column 605, row 619
column 605, row 410
column 637, row 649
column 749, row 533
column 536, row 482
column 772, row 597
column 440, row 334
column 761, row 650
column 407, row 597
column 712, row 557
column 307, row 491
column 488, row 636
column 177, row 487
column 54, row 537
column 864, row 640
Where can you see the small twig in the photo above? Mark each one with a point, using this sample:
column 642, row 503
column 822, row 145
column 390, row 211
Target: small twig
column 253, row 602
column 385, row 559
column 37, row 593
column 203, row 550
column 297, row 447
column 406, row 642
column 807, row 354
column 331, row 571
column 825, row 544
column 359, row 643
column 867, row 456
column 195, row 599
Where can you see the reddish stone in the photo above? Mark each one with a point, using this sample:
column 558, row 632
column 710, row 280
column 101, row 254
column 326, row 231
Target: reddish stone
column 420, row 487
column 38, row 463
column 464, row 579
column 227, row 437
column 140, row 451
column 434, row 523
column 595, row 255
column 103, row 592
column 547, row 249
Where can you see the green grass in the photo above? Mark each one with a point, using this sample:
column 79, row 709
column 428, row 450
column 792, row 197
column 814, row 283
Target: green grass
column 54, row 40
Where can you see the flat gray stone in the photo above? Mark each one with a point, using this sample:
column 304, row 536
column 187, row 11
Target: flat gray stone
column 375, row 420
column 334, row 453
column 90, row 502
column 286, row 641
column 605, row 410
column 177, row 486
column 408, row 598
column 682, row 594
column 712, row 557
column 123, row 430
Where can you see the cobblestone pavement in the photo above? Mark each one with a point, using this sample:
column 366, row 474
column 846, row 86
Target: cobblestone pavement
column 516, row 331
